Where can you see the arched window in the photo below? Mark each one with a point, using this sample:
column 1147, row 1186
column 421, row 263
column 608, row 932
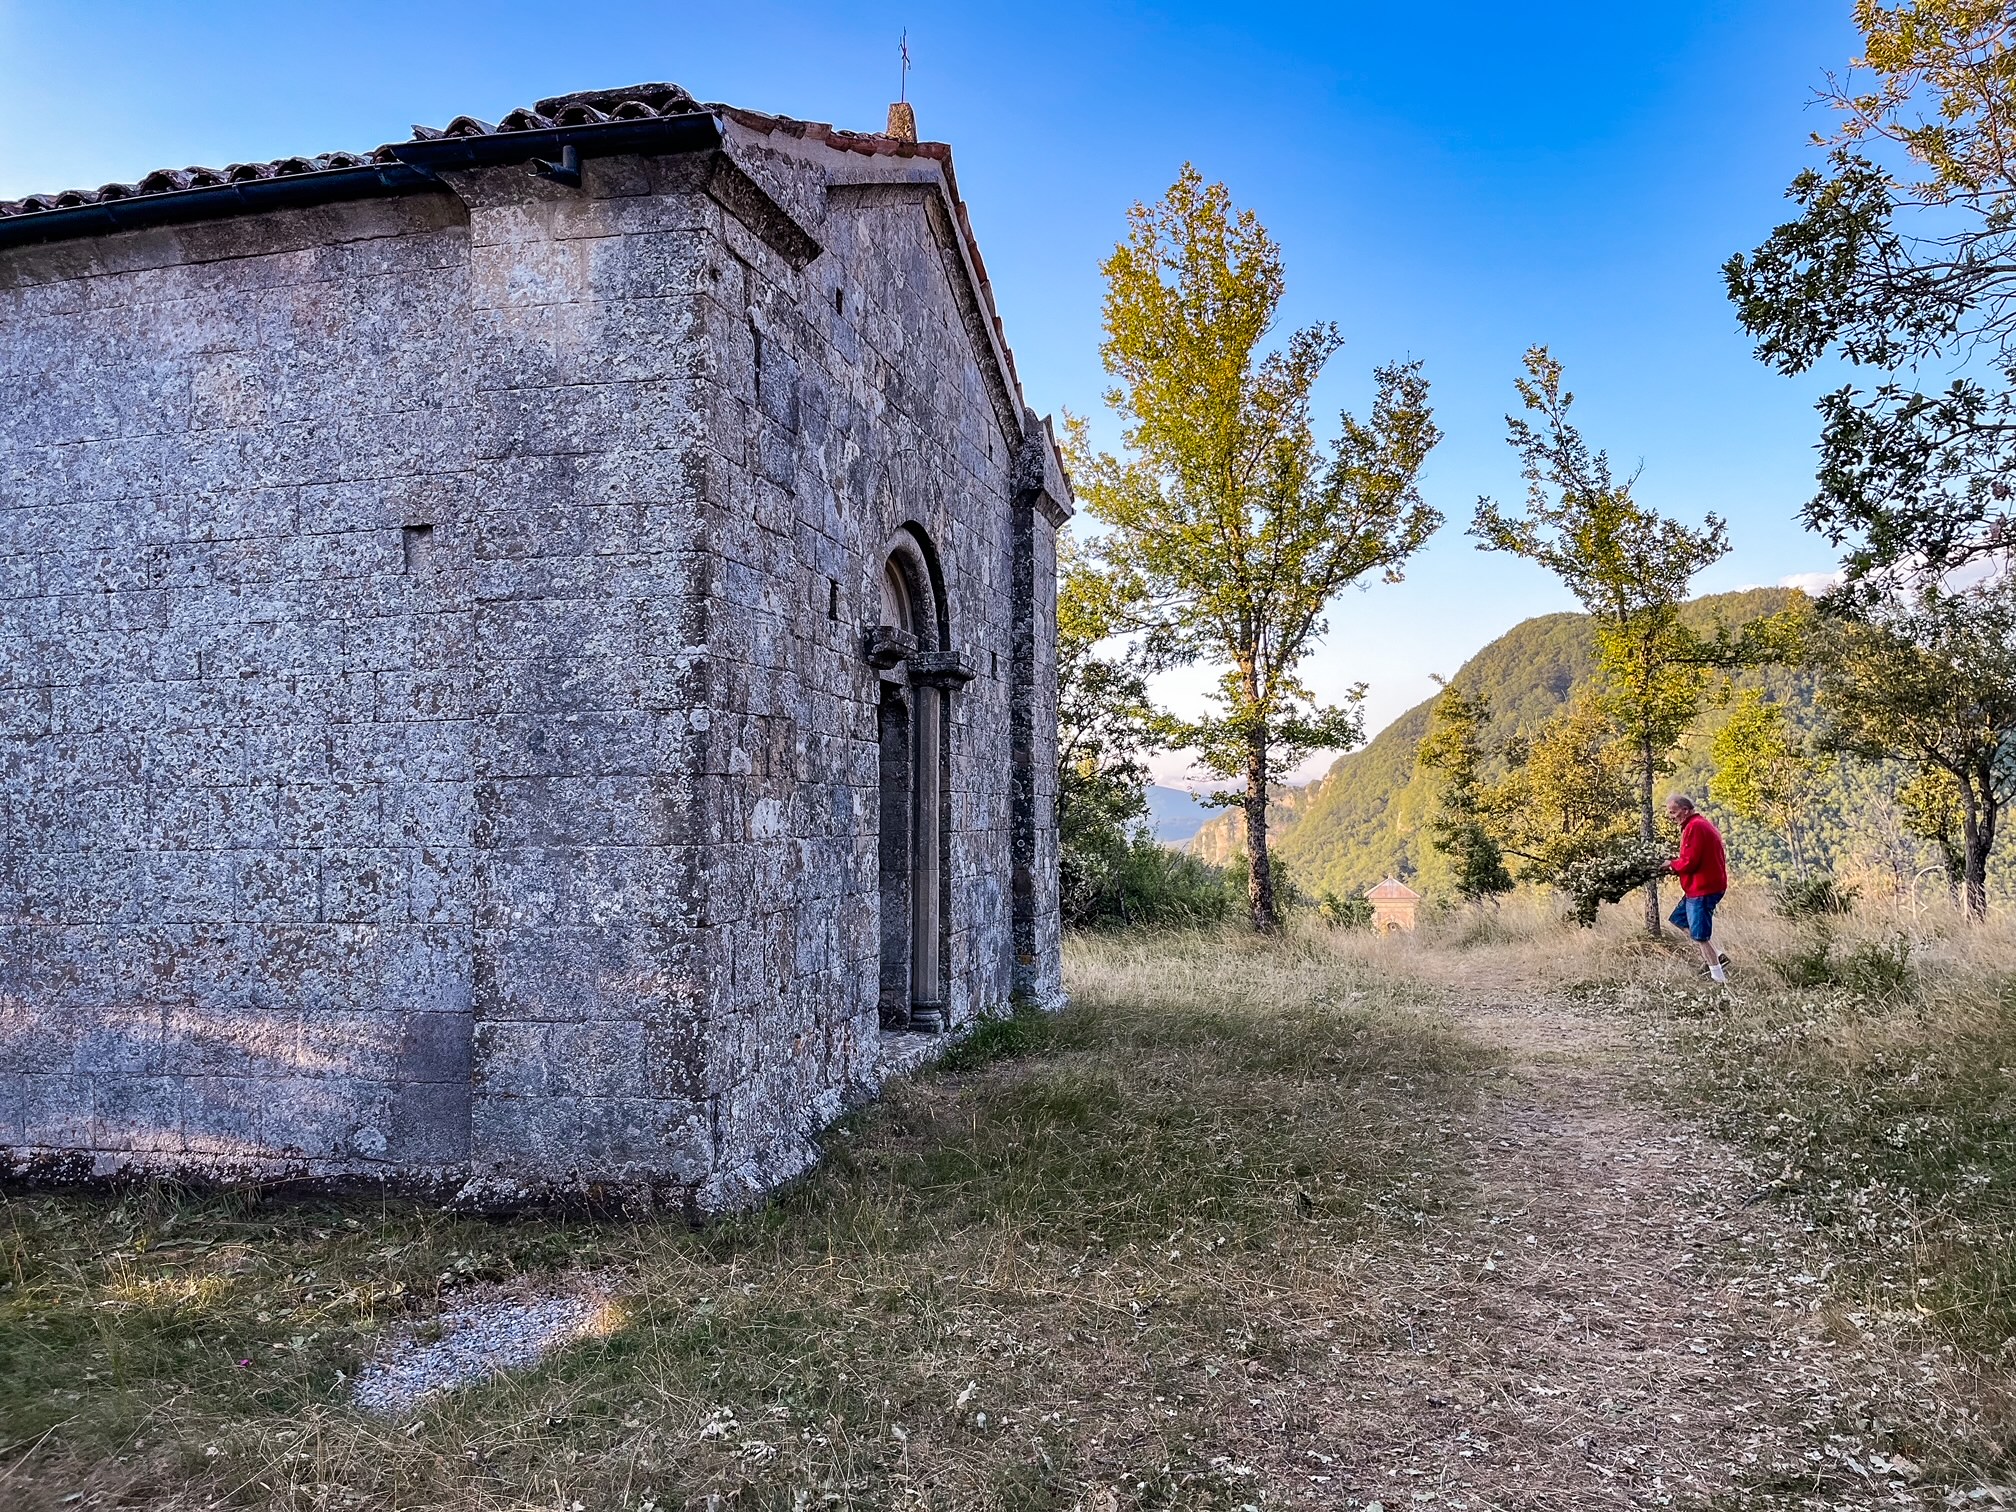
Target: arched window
column 912, row 721
column 896, row 599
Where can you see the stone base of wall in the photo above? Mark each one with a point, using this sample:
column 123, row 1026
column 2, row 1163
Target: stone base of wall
column 459, row 1188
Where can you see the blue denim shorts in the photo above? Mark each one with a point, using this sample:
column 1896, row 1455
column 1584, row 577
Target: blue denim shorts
column 1696, row 916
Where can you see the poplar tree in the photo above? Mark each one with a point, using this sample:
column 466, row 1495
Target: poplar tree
column 1226, row 526
column 1629, row 566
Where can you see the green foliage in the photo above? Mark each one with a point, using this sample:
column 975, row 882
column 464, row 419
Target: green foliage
column 1237, row 874
column 1628, row 565
column 1130, row 881
column 1454, row 748
column 1881, row 971
column 1227, row 529
column 1372, row 815
column 1764, row 772
column 1106, row 726
column 1875, row 971
column 1814, row 898
column 1566, row 802
column 1931, row 680
column 1344, row 910
column 1930, row 805
column 1895, row 263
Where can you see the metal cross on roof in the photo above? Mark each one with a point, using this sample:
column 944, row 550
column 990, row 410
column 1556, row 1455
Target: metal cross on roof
column 903, row 49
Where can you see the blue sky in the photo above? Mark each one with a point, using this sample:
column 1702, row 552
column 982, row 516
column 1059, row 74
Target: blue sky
column 1450, row 182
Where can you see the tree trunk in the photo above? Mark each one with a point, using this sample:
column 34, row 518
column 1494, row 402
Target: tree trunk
column 1978, row 823
column 1795, row 844
column 1259, row 867
column 1648, row 830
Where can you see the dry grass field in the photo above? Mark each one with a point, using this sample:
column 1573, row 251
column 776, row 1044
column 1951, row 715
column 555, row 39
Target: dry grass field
column 1500, row 1215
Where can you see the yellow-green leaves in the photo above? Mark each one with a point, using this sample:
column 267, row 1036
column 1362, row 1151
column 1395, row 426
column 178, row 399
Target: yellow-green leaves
column 1763, row 771
column 1629, row 566
column 1227, row 528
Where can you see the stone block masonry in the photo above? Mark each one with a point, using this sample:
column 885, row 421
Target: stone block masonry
column 439, row 741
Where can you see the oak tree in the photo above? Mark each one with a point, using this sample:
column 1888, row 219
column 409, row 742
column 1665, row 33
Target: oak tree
column 1902, row 262
column 1930, row 679
column 1564, row 807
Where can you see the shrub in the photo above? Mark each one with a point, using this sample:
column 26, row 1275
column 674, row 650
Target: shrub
column 1874, row 971
column 1606, row 876
column 1881, row 971
column 1140, row 882
column 1813, row 898
column 1811, row 965
column 1344, row 910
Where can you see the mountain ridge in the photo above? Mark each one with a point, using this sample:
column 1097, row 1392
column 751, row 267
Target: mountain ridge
column 1366, row 817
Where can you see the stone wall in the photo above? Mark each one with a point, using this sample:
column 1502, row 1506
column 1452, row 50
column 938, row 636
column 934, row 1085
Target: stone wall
column 591, row 566
column 846, row 402
column 235, row 818
column 435, row 735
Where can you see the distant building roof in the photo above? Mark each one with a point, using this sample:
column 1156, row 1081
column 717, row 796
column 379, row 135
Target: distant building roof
column 1392, row 887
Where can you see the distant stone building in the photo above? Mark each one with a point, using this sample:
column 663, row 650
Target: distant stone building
column 1393, row 906
column 525, row 656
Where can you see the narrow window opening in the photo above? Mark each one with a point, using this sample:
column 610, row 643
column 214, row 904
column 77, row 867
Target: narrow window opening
column 993, row 664
column 756, row 342
column 839, row 301
column 832, row 599
column 416, row 544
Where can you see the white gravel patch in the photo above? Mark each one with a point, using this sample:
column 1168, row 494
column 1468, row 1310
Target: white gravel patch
column 479, row 1339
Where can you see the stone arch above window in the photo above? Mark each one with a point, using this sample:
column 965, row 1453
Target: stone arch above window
column 913, row 586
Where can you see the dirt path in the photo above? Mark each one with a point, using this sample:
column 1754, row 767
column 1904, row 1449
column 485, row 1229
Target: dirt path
column 1609, row 1323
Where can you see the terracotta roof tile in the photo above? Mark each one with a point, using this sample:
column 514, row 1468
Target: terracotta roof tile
column 591, row 107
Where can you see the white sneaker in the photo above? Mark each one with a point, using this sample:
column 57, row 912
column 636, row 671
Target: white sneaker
column 1718, row 974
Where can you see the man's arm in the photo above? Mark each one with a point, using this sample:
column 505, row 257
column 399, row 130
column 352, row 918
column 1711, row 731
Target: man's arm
column 1689, row 859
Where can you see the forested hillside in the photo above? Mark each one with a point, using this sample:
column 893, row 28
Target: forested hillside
column 1367, row 817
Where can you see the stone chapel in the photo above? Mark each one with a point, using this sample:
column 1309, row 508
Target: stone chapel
column 527, row 656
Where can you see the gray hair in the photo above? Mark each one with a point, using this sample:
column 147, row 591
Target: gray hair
column 1681, row 800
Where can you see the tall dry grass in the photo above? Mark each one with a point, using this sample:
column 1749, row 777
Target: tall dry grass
column 1869, row 1060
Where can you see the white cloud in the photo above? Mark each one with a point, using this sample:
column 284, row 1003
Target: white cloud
column 1814, row 583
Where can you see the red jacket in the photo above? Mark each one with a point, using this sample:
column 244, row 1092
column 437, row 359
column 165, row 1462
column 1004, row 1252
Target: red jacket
column 1701, row 866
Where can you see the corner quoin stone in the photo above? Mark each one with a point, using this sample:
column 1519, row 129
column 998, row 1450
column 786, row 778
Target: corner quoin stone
column 439, row 738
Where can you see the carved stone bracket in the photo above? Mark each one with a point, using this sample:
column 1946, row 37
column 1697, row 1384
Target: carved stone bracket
column 887, row 647
column 941, row 669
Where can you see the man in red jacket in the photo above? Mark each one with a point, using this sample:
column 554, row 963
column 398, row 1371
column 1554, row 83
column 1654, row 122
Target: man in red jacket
column 1703, row 870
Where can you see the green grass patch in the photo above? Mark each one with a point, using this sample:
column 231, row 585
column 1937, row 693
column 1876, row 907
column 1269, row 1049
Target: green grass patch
column 1036, row 1275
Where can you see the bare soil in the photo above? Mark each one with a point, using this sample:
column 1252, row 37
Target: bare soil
column 1615, row 1318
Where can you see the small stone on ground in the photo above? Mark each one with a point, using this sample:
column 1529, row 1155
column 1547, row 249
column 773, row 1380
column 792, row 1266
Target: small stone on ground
column 479, row 1339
